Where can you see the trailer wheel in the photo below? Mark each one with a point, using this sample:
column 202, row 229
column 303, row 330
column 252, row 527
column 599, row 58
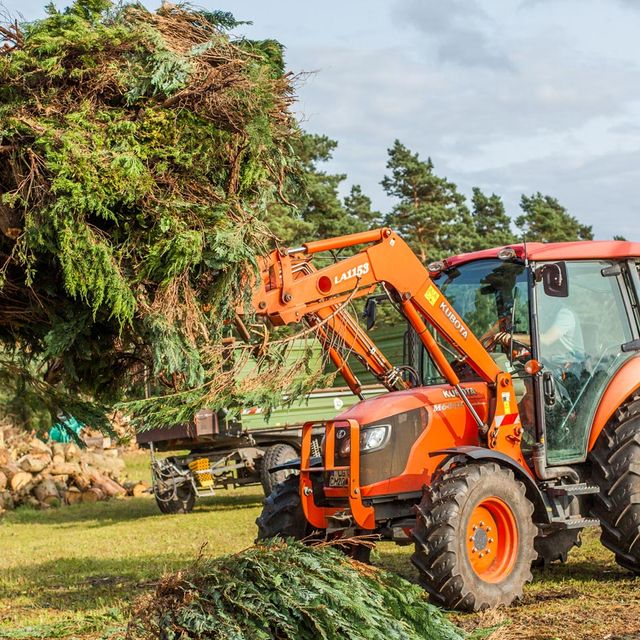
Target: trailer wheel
column 615, row 462
column 273, row 456
column 474, row 538
column 282, row 515
column 182, row 502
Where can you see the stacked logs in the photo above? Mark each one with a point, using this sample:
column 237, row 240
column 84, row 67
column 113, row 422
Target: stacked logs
column 44, row 475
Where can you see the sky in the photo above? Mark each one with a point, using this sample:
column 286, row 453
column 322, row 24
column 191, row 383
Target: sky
column 512, row 96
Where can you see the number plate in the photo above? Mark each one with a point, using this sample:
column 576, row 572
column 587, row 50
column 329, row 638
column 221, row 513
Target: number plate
column 339, row 478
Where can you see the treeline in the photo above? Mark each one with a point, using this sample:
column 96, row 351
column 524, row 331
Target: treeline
column 429, row 211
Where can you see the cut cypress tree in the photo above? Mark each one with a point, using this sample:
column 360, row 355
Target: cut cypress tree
column 290, row 592
column 139, row 154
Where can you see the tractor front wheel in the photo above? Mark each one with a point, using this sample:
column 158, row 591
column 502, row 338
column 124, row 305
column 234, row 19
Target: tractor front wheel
column 282, row 514
column 474, row 538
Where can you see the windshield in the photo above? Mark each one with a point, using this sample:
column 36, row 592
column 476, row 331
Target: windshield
column 490, row 295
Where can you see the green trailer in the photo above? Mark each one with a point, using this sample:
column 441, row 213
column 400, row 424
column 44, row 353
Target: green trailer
column 215, row 452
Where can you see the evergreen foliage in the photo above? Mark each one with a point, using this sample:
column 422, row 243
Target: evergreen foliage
column 492, row 225
column 430, row 212
column 321, row 213
column 290, row 592
column 544, row 219
column 139, row 154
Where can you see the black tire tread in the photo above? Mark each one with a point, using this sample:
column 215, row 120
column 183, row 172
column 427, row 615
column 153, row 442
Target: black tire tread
column 274, row 455
column 182, row 503
column 282, row 515
column 615, row 464
column 438, row 525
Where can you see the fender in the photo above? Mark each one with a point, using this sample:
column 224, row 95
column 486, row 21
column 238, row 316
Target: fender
column 624, row 382
column 542, row 511
column 294, row 464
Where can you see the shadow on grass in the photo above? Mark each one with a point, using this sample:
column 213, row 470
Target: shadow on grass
column 85, row 584
column 112, row 511
column 600, row 571
column 596, row 571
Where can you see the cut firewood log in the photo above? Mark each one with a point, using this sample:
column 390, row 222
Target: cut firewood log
column 34, row 462
column 6, row 500
column 46, row 489
column 93, row 495
column 20, row 480
column 71, row 452
column 82, row 481
column 58, row 459
column 37, row 446
column 3, row 481
column 57, row 449
column 110, row 487
column 65, row 469
column 140, row 489
column 5, row 457
column 62, row 482
column 73, row 496
column 10, row 469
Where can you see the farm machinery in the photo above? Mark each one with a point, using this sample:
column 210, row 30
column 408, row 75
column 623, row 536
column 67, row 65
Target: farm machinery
column 515, row 426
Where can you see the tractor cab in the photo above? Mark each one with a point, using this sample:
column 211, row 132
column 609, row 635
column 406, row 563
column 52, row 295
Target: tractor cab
column 575, row 317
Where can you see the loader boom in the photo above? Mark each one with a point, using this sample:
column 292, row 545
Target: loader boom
column 294, row 291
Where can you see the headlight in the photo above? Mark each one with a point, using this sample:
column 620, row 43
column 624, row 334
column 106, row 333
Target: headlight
column 370, row 438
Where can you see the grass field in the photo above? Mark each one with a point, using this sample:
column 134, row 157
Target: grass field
column 75, row 572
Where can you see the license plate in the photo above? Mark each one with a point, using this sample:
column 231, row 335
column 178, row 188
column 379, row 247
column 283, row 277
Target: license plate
column 339, row 478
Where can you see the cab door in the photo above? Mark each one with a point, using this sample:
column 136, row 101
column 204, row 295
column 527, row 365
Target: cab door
column 580, row 336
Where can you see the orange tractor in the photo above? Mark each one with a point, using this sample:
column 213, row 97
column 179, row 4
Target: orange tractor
column 515, row 424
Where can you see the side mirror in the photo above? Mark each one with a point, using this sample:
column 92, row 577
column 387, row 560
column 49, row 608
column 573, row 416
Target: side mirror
column 370, row 312
column 554, row 279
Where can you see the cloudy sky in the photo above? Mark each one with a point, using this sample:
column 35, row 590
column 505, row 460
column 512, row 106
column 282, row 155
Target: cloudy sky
column 514, row 96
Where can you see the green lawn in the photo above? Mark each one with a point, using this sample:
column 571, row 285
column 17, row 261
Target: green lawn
column 75, row 571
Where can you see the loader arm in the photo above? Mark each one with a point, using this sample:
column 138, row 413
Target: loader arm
column 294, row 291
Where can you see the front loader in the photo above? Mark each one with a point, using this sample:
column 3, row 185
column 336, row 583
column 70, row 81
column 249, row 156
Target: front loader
column 516, row 426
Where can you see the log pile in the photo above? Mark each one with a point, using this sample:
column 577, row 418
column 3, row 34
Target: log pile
column 44, row 475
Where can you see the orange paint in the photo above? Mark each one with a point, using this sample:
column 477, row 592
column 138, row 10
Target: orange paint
column 492, row 540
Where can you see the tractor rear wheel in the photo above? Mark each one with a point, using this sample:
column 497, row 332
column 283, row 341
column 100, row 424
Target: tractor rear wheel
column 474, row 538
column 615, row 462
column 282, row 514
column 556, row 546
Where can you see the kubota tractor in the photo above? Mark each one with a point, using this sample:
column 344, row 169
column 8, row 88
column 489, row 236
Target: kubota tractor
column 515, row 426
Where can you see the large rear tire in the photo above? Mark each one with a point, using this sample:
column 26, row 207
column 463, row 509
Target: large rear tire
column 474, row 538
column 273, row 456
column 615, row 462
column 555, row 547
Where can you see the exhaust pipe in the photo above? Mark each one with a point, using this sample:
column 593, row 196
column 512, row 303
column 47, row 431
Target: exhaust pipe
column 543, row 472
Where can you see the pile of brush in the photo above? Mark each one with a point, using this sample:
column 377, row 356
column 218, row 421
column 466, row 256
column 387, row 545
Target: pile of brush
column 290, row 592
column 49, row 474
column 139, row 155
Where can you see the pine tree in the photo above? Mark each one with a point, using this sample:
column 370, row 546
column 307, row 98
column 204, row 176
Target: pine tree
column 546, row 220
column 491, row 222
column 430, row 213
column 321, row 213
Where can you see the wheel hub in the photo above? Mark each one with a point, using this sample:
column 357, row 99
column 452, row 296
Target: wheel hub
column 492, row 539
column 480, row 539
